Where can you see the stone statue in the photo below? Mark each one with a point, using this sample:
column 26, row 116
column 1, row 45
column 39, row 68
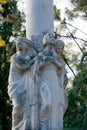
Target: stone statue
column 48, row 68
column 37, row 82
column 20, row 82
column 63, row 79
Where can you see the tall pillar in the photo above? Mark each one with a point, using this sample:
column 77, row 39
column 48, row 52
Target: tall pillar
column 39, row 18
column 39, row 21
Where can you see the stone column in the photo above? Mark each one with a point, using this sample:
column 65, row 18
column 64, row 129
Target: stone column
column 39, row 19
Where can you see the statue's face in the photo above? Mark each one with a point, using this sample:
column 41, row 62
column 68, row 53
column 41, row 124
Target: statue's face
column 19, row 46
column 22, row 47
column 50, row 38
column 50, row 47
column 59, row 50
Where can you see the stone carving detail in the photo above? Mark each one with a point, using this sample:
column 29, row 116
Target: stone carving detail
column 37, row 40
column 37, row 82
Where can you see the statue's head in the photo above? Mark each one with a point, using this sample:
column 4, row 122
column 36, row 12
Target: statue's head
column 48, row 39
column 23, row 44
column 59, row 46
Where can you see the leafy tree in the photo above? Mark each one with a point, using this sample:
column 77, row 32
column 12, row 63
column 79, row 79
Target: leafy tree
column 76, row 115
column 56, row 13
column 10, row 28
column 80, row 5
column 79, row 9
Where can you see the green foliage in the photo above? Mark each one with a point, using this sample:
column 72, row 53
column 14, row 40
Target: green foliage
column 70, row 14
column 76, row 115
column 56, row 13
column 79, row 2
column 80, row 5
column 8, row 31
column 79, row 9
column 60, row 28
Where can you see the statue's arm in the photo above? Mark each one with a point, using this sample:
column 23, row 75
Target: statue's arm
column 54, row 60
column 65, row 80
column 58, row 63
column 33, row 60
column 21, row 63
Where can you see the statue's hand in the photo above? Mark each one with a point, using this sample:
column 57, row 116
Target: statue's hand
column 40, row 54
column 19, row 59
column 50, row 58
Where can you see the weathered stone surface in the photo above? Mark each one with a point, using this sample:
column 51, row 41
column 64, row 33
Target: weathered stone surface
column 37, row 77
column 39, row 17
column 37, row 85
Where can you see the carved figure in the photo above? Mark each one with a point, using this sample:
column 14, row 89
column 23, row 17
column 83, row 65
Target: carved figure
column 20, row 82
column 37, row 85
column 63, row 79
column 47, row 68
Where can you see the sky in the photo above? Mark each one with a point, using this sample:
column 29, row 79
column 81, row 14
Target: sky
column 77, row 22
column 62, row 4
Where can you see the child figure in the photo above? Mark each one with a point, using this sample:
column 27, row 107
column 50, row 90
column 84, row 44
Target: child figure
column 63, row 79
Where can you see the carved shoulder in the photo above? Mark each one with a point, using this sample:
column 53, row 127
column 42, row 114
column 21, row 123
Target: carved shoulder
column 21, row 62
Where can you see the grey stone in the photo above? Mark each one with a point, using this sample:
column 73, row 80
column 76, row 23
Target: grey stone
column 37, row 83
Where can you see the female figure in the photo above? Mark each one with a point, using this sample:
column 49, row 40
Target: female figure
column 47, row 68
column 19, row 84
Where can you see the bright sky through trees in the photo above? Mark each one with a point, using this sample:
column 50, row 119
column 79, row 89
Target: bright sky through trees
column 61, row 4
